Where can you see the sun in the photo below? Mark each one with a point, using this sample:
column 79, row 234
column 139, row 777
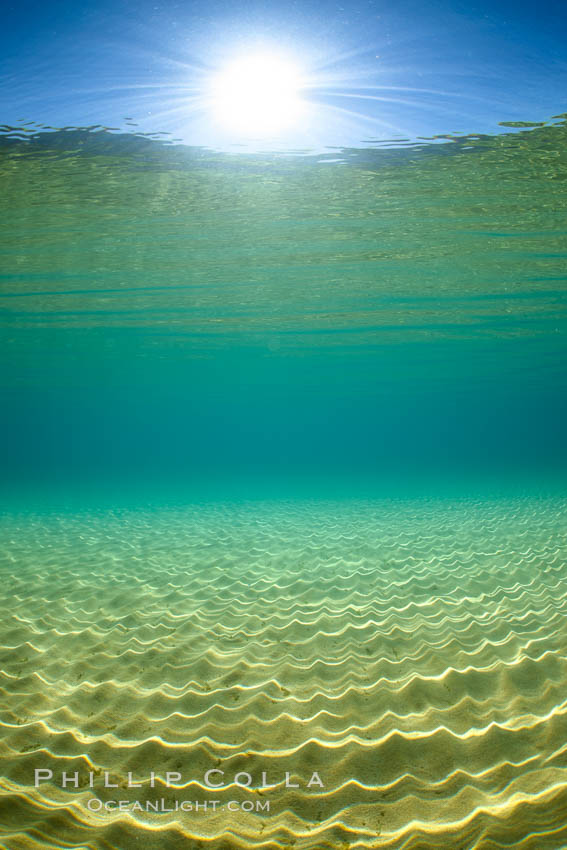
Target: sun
column 258, row 95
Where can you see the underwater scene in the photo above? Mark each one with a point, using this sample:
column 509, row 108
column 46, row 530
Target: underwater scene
column 283, row 538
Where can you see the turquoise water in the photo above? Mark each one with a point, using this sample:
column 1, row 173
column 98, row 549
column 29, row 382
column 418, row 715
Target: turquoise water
column 172, row 313
column 283, row 489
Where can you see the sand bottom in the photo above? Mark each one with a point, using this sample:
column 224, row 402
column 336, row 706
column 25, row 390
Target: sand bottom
column 351, row 674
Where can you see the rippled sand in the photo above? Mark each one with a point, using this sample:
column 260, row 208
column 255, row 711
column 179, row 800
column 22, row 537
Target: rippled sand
column 412, row 654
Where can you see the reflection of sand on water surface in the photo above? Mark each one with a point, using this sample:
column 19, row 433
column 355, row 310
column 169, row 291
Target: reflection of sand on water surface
column 410, row 655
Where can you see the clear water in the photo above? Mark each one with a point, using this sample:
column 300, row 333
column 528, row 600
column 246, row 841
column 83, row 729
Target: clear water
column 284, row 490
column 171, row 312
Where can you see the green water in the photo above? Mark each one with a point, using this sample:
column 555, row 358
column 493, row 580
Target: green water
column 283, row 490
column 172, row 312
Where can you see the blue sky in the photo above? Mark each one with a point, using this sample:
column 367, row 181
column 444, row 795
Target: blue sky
column 373, row 69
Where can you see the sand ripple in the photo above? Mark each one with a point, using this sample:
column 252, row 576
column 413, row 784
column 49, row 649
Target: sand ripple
column 413, row 654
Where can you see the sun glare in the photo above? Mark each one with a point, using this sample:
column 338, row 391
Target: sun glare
column 258, row 95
